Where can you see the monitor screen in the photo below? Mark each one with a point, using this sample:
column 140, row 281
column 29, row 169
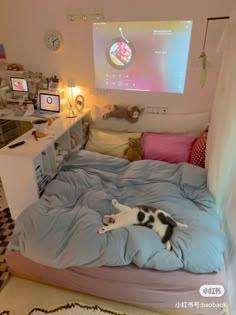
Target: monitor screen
column 141, row 56
column 19, row 85
column 49, row 102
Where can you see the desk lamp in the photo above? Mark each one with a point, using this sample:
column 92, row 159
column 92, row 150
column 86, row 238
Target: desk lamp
column 71, row 85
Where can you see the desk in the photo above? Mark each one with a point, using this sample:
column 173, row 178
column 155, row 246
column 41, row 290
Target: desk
column 26, row 169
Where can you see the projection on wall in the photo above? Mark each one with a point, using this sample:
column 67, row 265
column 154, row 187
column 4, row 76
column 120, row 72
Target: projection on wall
column 141, row 56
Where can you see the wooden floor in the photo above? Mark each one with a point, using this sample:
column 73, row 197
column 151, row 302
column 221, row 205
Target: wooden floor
column 22, row 295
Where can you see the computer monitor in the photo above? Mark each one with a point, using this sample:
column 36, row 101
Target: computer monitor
column 19, row 85
column 49, row 103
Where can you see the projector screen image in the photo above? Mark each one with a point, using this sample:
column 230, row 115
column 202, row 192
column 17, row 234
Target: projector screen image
column 49, row 102
column 141, row 56
column 19, row 85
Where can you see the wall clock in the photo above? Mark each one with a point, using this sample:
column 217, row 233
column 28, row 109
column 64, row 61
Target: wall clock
column 53, row 40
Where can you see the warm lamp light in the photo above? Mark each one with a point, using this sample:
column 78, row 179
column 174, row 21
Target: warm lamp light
column 71, row 85
column 74, row 102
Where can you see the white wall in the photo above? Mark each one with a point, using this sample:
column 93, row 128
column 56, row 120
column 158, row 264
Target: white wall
column 23, row 24
column 230, row 223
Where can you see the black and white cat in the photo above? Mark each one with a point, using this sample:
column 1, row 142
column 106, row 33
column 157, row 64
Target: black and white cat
column 156, row 219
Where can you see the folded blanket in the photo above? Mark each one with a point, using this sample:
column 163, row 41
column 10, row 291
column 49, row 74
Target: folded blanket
column 60, row 230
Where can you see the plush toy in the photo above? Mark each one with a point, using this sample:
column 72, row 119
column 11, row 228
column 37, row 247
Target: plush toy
column 123, row 112
column 134, row 151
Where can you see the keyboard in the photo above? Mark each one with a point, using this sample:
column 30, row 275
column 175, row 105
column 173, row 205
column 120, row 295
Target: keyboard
column 41, row 114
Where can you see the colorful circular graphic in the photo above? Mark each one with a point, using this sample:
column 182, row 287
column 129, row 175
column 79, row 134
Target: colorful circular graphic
column 49, row 100
column 120, row 53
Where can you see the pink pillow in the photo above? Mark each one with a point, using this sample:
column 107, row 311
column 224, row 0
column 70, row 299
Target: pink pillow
column 166, row 147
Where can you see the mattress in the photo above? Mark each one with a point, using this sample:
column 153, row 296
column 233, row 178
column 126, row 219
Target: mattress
column 175, row 290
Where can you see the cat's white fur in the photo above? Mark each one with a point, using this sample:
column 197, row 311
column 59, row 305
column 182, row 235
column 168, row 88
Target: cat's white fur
column 128, row 216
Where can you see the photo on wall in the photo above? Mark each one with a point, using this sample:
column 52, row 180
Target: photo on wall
column 141, row 56
column 2, row 52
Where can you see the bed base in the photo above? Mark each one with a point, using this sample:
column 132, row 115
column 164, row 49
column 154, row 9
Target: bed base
column 38, row 280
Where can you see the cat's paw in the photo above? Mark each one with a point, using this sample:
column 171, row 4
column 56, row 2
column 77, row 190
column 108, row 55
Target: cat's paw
column 182, row 225
column 168, row 245
column 114, row 202
column 102, row 230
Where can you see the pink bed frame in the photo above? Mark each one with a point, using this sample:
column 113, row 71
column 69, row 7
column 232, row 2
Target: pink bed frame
column 146, row 288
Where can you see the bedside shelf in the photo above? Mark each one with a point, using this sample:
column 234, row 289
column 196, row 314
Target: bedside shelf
column 26, row 170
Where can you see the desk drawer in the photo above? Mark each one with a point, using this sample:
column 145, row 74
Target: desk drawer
column 10, row 135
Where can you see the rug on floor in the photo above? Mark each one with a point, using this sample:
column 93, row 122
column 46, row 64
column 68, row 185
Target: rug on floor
column 6, row 229
column 75, row 309
column 6, row 313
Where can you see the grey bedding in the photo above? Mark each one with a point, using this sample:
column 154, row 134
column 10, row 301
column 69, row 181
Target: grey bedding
column 60, row 230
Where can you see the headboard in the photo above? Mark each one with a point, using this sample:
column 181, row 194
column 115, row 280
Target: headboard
column 191, row 124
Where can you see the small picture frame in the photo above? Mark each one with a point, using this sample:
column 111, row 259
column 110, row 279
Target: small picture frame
column 2, row 52
column 53, row 86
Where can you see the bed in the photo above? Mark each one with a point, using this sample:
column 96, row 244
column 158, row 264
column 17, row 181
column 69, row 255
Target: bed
column 55, row 240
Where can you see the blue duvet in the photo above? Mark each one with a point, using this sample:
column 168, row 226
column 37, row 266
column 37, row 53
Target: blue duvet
column 60, row 230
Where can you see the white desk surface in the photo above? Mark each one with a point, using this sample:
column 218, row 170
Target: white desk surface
column 31, row 148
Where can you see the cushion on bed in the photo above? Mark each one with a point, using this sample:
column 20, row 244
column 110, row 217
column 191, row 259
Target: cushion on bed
column 191, row 124
column 198, row 152
column 108, row 142
column 166, row 147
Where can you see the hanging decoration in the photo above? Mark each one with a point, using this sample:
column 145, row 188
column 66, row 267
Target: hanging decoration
column 203, row 55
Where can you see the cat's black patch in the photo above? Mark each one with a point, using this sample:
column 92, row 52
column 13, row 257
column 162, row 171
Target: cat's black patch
column 166, row 219
column 148, row 225
column 151, row 218
column 141, row 216
column 150, row 213
column 149, row 222
column 147, row 208
column 168, row 234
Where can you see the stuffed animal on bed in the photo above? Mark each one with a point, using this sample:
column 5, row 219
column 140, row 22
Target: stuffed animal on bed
column 123, row 112
column 134, row 151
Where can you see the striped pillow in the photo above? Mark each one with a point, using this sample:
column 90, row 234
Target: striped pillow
column 197, row 155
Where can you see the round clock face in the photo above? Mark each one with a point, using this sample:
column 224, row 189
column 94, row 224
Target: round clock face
column 53, row 40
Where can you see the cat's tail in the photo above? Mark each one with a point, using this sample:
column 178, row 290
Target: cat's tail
column 181, row 224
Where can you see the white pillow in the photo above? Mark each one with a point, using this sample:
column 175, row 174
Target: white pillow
column 108, row 142
column 191, row 124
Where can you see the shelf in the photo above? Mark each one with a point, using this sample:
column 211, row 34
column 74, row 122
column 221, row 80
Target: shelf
column 36, row 159
column 14, row 73
column 59, row 127
column 42, row 183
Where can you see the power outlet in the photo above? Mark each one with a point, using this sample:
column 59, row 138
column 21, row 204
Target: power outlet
column 156, row 110
column 149, row 110
column 164, row 110
column 98, row 91
column 152, row 110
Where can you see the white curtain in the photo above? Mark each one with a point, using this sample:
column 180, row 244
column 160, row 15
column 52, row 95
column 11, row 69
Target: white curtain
column 221, row 150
